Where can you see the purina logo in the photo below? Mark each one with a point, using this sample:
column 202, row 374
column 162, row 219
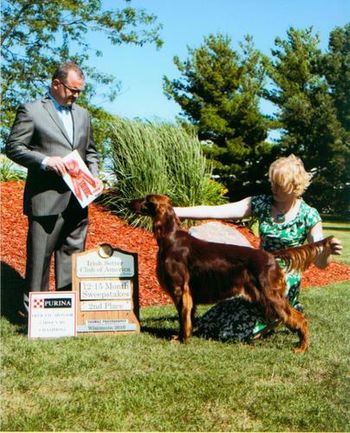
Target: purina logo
column 58, row 303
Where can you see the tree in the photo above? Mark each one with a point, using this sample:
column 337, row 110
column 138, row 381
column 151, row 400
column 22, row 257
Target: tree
column 336, row 68
column 219, row 94
column 38, row 34
column 311, row 124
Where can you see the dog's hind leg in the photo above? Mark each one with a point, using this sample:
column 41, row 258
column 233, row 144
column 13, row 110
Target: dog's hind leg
column 293, row 319
column 296, row 321
column 277, row 306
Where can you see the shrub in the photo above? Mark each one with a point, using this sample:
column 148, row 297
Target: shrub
column 9, row 170
column 158, row 158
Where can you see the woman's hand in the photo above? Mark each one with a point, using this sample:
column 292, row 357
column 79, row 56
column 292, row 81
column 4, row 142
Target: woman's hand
column 324, row 258
column 336, row 247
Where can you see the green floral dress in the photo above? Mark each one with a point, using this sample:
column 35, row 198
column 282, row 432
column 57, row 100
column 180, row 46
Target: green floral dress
column 238, row 319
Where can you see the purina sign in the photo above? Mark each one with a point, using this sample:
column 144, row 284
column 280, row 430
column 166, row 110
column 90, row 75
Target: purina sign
column 52, row 314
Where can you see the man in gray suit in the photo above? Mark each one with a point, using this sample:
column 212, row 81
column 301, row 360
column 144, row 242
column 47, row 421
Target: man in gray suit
column 43, row 133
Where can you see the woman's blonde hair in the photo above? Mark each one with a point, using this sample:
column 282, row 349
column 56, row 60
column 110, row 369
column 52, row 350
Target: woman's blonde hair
column 289, row 173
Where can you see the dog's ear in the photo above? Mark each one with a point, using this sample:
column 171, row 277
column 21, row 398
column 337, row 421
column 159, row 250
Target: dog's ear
column 142, row 206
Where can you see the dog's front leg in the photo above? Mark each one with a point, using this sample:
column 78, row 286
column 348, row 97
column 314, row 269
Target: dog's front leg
column 187, row 307
column 184, row 305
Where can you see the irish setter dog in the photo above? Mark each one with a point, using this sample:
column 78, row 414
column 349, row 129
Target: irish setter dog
column 194, row 271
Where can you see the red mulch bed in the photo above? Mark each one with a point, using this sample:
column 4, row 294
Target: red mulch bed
column 107, row 228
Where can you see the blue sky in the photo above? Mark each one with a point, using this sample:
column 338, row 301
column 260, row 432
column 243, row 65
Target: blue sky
column 186, row 23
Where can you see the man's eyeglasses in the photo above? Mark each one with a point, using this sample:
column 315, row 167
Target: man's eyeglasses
column 71, row 89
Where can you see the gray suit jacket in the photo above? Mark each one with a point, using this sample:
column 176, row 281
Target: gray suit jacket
column 39, row 132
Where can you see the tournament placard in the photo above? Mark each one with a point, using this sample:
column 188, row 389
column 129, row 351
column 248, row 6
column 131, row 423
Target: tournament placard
column 52, row 314
column 105, row 281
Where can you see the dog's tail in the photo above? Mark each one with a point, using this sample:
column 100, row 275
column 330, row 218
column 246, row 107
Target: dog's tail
column 300, row 258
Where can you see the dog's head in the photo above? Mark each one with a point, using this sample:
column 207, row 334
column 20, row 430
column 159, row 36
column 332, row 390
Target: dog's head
column 151, row 205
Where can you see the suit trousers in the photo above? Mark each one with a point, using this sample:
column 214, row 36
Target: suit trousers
column 61, row 235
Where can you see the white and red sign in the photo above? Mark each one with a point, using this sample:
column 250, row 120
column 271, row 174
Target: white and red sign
column 52, row 314
column 80, row 180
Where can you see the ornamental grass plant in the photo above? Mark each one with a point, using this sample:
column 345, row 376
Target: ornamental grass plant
column 158, row 158
column 10, row 171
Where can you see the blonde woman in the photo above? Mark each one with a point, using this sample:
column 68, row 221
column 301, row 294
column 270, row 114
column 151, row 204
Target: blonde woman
column 285, row 220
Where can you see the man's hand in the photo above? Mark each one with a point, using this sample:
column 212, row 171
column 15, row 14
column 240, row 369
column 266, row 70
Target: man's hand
column 56, row 164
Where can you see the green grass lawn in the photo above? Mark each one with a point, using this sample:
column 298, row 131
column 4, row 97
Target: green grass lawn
column 145, row 383
column 342, row 231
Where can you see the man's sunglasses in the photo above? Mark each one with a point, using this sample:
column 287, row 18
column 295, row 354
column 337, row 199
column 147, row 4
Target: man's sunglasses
column 71, row 89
